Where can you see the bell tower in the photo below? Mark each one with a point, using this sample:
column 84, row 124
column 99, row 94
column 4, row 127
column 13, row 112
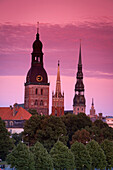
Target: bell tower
column 58, row 98
column 79, row 98
column 37, row 86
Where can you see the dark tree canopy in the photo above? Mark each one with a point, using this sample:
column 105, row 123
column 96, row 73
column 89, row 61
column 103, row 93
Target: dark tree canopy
column 52, row 129
column 82, row 158
column 82, row 136
column 62, row 157
column 6, row 143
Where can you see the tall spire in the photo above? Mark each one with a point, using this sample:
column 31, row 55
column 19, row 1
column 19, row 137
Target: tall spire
column 58, row 83
column 92, row 102
column 38, row 27
column 80, row 59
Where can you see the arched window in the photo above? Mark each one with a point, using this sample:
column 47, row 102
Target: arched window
column 41, row 91
column 11, row 123
column 36, row 102
column 38, row 59
column 41, row 103
column 36, row 91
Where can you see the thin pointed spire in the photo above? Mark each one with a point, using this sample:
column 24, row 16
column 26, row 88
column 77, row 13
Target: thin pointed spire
column 58, row 84
column 80, row 59
column 92, row 102
column 38, row 27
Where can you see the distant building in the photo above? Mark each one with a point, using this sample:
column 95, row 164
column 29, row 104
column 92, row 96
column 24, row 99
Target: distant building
column 93, row 116
column 14, row 117
column 37, row 86
column 109, row 121
column 79, row 102
column 58, row 97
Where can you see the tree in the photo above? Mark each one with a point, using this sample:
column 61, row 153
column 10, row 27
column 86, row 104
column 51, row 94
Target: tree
column 17, row 137
column 100, row 124
column 42, row 158
column 31, row 128
column 97, row 155
column 82, row 158
column 82, row 136
column 6, row 143
column 62, row 157
column 21, row 158
column 33, row 111
column 107, row 147
column 52, row 129
column 83, row 120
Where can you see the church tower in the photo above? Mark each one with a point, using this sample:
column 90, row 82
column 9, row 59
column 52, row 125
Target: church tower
column 58, row 98
column 79, row 98
column 92, row 110
column 37, row 86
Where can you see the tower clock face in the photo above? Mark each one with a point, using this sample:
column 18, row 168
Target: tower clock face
column 39, row 78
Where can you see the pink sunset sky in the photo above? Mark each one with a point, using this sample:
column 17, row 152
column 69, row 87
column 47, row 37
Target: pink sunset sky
column 62, row 24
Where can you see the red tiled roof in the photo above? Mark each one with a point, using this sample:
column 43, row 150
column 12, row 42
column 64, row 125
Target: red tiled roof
column 6, row 113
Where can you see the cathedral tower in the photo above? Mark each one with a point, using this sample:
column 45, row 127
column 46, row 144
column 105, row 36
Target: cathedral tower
column 58, row 98
column 37, row 86
column 79, row 98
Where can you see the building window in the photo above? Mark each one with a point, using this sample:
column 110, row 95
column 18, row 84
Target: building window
column 77, row 108
column 82, row 109
column 36, row 91
column 6, row 123
column 35, row 58
column 38, row 59
column 11, row 123
column 55, row 112
column 41, row 103
column 41, row 91
column 36, row 102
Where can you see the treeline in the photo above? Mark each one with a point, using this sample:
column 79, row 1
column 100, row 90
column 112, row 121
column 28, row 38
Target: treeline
column 70, row 141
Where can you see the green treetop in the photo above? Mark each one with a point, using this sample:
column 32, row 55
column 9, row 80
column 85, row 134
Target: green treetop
column 21, row 158
column 62, row 157
column 81, row 155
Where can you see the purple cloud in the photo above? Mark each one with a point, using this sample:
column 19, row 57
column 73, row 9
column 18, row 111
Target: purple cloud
column 59, row 43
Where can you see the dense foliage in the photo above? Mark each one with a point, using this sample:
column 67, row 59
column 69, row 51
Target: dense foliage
column 6, row 143
column 82, row 158
column 21, row 158
column 41, row 157
column 97, row 155
column 107, row 147
column 62, row 157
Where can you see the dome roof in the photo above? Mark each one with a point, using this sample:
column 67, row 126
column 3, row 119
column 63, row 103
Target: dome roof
column 37, row 45
column 37, row 75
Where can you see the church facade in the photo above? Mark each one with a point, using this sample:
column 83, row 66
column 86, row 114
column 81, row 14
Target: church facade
column 37, row 86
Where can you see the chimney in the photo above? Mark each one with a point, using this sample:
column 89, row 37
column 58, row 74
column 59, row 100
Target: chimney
column 100, row 116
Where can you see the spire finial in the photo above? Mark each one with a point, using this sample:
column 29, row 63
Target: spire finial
column 80, row 60
column 38, row 27
column 58, row 62
column 92, row 102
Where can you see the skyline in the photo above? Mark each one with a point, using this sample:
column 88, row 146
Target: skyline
column 60, row 33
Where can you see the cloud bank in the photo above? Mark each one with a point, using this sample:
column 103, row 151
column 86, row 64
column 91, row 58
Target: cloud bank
column 59, row 43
